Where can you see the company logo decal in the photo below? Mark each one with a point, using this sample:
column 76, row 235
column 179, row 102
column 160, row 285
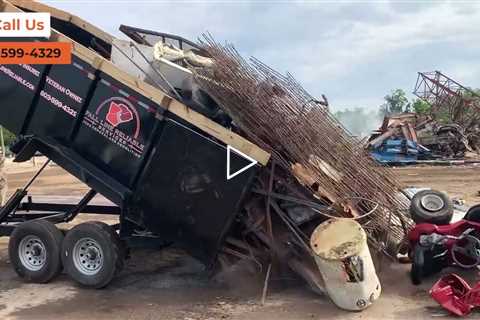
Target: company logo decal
column 117, row 120
column 121, row 114
column 118, row 113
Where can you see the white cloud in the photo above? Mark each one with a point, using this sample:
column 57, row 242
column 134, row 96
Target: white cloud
column 365, row 42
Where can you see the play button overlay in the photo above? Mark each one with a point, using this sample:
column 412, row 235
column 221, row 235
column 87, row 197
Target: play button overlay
column 252, row 161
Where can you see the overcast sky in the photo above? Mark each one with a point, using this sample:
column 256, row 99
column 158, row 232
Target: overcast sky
column 355, row 52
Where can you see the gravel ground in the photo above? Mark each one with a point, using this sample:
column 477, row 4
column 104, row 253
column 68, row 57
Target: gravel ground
column 170, row 285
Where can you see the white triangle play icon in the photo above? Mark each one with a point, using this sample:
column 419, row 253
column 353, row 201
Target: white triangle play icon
column 251, row 164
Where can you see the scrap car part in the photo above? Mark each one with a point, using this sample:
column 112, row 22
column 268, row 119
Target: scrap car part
column 455, row 295
column 435, row 247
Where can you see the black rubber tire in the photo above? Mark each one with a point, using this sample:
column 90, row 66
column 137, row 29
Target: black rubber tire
column 113, row 253
column 117, row 243
column 52, row 239
column 416, row 272
column 473, row 214
column 439, row 217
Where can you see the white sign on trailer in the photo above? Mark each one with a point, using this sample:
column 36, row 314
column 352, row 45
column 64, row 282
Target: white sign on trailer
column 25, row 24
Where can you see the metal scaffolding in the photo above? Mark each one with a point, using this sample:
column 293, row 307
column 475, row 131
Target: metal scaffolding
column 448, row 98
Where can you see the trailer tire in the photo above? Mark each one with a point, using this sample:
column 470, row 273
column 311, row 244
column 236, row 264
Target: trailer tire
column 430, row 206
column 35, row 249
column 92, row 254
column 122, row 252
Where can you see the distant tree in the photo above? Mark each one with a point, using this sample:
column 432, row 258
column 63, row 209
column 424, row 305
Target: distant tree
column 421, row 107
column 473, row 93
column 396, row 102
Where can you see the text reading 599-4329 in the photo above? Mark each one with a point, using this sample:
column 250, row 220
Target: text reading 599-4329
column 35, row 53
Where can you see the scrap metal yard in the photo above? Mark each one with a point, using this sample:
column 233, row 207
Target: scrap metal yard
column 171, row 285
column 149, row 174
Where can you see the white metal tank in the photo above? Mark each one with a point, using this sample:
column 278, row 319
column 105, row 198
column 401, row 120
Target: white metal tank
column 344, row 260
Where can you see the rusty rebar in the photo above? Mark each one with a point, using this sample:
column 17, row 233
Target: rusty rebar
column 275, row 112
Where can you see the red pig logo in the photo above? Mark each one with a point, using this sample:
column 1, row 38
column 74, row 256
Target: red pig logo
column 118, row 113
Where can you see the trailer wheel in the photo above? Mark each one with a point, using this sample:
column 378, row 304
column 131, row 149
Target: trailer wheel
column 92, row 254
column 430, row 206
column 34, row 250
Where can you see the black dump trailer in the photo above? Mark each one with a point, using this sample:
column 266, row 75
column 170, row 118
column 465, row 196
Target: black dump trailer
column 161, row 164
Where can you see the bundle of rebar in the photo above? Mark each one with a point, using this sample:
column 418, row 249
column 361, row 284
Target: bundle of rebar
column 276, row 113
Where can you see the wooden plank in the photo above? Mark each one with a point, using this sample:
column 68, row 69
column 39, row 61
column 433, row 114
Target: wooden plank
column 187, row 114
column 176, row 107
column 405, row 132
column 219, row 132
column 378, row 140
column 413, row 133
column 40, row 7
column 200, row 121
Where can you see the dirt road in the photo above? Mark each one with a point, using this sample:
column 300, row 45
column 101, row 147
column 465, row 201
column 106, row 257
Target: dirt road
column 458, row 181
column 170, row 285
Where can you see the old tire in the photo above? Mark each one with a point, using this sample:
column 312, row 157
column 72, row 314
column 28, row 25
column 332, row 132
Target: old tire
column 418, row 262
column 473, row 214
column 92, row 254
column 35, row 251
column 430, row 206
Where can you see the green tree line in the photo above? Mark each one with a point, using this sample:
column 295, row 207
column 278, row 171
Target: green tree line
column 397, row 102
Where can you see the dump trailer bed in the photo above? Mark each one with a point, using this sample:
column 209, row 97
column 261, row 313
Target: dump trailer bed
column 162, row 164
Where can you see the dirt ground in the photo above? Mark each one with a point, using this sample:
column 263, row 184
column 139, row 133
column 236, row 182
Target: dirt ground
column 170, row 285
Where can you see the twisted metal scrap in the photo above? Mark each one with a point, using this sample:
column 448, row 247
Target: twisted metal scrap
column 276, row 113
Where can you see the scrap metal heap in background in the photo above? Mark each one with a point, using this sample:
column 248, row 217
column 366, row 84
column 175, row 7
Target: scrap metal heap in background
column 448, row 131
column 397, row 141
column 450, row 100
column 454, row 112
column 308, row 145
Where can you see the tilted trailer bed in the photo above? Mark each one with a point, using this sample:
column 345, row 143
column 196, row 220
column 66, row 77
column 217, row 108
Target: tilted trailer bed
column 160, row 163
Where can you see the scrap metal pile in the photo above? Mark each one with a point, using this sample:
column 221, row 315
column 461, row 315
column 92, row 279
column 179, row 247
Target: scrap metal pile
column 410, row 138
column 449, row 130
column 450, row 101
column 454, row 112
column 306, row 142
column 317, row 171
column 396, row 141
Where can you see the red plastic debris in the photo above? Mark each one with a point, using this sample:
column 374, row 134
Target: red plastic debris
column 455, row 295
